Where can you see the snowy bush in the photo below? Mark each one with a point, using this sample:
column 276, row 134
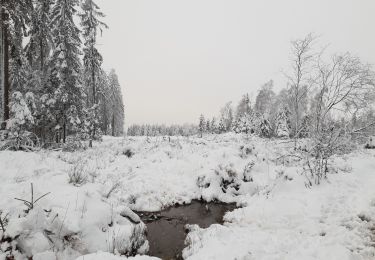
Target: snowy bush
column 318, row 157
column 246, row 150
column 247, row 174
column 126, row 245
column 128, row 152
column 77, row 173
column 22, row 119
column 229, row 177
column 74, row 143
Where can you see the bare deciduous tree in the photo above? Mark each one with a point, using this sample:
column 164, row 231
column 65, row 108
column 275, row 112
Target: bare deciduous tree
column 342, row 84
column 299, row 80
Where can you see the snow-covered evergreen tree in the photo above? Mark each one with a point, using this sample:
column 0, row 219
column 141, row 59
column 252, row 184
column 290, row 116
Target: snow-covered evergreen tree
column 41, row 37
column 208, row 126
column 15, row 18
column 202, row 125
column 213, row 126
column 226, row 117
column 305, row 127
column 116, row 105
column 282, row 129
column 265, row 128
column 67, row 66
column 22, row 109
column 243, row 107
column 222, row 126
column 92, row 61
column 244, row 124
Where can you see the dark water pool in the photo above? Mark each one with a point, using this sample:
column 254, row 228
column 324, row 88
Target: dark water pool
column 166, row 229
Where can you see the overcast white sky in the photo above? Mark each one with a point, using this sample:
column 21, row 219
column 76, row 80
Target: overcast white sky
column 177, row 59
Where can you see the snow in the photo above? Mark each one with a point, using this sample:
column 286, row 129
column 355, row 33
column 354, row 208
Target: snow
column 279, row 219
column 107, row 256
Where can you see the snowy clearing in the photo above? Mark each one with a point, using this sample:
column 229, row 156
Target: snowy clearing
column 280, row 217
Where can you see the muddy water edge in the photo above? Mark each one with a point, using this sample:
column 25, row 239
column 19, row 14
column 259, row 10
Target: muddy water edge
column 166, row 229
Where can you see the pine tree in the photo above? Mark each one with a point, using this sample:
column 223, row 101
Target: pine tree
column 68, row 93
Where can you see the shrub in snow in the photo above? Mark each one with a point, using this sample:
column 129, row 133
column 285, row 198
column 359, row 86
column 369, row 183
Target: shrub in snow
column 77, row 173
column 324, row 144
column 112, row 184
column 225, row 179
column 127, row 240
column 74, row 143
column 128, row 152
column 247, row 174
column 203, row 182
column 228, row 176
column 364, row 217
column 246, row 150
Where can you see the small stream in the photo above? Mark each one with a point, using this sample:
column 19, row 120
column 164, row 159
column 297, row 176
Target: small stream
column 166, row 229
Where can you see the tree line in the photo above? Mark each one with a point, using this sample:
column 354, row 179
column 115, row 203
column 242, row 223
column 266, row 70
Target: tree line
column 324, row 93
column 54, row 85
column 161, row 130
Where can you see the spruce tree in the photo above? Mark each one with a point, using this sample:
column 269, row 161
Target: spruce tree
column 67, row 66
column 15, row 18
column 282, row 129
column 92, row 61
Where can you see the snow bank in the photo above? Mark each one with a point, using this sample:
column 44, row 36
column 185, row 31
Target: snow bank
column 280, row 218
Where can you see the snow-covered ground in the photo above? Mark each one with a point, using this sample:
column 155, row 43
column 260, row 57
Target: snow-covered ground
column 280, row 217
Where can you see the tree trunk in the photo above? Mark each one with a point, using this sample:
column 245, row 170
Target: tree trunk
column 64, row 132
column 6, row 83
column 113, row 124
column 105, row 118
column 41, row 55
column 93, row 96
